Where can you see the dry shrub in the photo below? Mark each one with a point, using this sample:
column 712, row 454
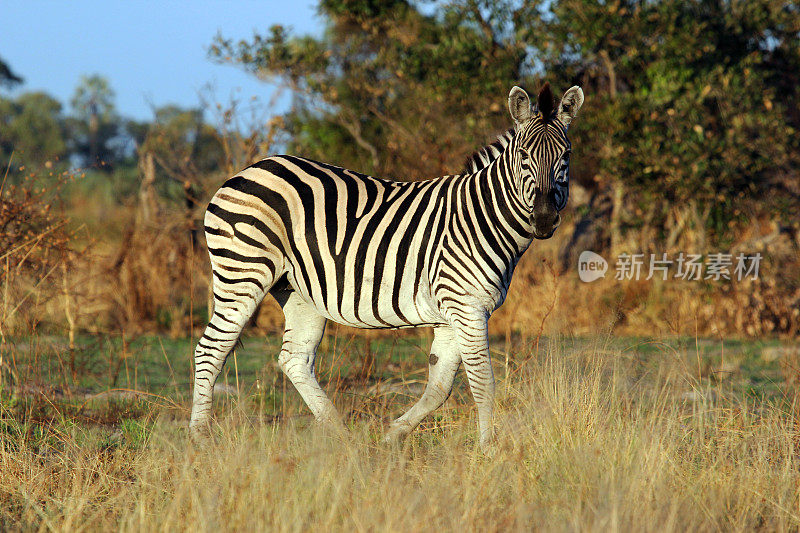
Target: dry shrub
column 35, row 250
column 769, row 305
column 153, row 277
column 156, row 279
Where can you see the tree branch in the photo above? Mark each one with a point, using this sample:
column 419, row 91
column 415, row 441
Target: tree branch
column 612, row 75
column 354, row 129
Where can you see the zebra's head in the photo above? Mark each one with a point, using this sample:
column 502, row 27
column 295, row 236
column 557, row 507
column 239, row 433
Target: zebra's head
column 541, row 151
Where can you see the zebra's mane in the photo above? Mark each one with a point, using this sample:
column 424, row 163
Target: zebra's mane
column 484, row 156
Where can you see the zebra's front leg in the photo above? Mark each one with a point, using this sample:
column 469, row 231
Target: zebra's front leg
column 303, row 333
column 472, row 338
column 443, row 364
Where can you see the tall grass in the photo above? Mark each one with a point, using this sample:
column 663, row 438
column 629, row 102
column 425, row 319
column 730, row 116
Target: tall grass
column 588, row 439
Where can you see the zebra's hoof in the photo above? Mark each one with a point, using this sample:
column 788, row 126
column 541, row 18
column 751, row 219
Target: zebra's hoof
column 488, row 447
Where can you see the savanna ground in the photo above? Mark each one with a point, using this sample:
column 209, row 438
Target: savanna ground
column 687, row 143
column 597, row 426
column 594, row 433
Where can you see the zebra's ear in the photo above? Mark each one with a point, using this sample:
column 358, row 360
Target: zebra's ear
column 570, row 104
column 519, row 105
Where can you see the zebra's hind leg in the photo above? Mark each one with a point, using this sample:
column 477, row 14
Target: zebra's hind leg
column 303, row 333
column 442, row 368
column 234, row 304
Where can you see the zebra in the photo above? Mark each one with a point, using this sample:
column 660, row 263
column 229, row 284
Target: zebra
column 333, row 244
column 481, row 158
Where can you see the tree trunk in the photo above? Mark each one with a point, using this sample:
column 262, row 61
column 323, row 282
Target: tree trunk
column 148, row 202
column 617, row 196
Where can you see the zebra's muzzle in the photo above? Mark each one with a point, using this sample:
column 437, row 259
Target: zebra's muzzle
column 545, row 216
column 546, row 235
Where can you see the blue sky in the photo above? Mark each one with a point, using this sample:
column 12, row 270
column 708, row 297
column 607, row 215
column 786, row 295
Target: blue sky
column 153, row 53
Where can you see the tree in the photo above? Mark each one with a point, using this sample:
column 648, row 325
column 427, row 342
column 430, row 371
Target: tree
column 7, row 76
column 95, row 126
column 178, row 150
column 31, row 127
column 185, row 147
column 390, row 90
column 692, row 107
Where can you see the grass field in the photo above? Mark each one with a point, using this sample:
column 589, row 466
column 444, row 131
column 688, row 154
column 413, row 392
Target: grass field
column 592, row 433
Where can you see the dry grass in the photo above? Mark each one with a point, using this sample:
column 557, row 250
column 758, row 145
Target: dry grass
column 588, row 439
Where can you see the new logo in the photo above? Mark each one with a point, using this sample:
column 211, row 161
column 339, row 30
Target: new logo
column 591, row 266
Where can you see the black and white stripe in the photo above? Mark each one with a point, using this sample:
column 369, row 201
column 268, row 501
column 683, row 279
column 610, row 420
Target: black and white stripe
column 332, row 244
column 481, row 158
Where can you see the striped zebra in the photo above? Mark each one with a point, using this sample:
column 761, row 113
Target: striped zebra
column 481, row 158
column 332, row 244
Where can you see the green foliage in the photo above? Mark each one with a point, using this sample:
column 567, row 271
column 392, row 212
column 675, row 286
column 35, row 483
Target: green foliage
column 389, row 89
column 31, row 127
column 185, row 146
column 186, row 150
column 136, row 433
column 7, row 77
column 687, row 102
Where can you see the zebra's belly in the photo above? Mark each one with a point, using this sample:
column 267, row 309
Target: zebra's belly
column 365, row 302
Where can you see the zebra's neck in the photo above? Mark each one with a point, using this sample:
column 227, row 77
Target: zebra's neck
column 498, row 206
column 484, row 156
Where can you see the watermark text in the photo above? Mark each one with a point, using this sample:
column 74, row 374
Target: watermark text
column 683, row 266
